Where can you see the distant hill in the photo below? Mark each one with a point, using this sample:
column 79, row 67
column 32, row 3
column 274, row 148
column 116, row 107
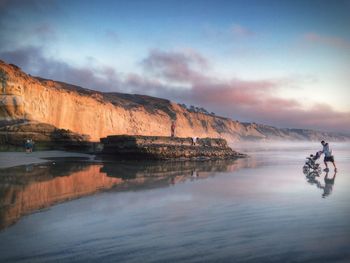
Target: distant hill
column 93, row 114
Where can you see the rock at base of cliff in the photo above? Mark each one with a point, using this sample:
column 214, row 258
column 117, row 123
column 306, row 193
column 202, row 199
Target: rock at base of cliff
column 45, row 137
column 163, row 148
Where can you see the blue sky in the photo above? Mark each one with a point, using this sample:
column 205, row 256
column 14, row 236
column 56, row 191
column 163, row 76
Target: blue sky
column 274, row 60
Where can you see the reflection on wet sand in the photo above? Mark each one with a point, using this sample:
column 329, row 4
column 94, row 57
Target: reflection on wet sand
column 26, row 189
column 313, row 179
column 329, row 183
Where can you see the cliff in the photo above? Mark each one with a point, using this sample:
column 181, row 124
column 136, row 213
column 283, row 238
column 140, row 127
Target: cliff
column 93, row 115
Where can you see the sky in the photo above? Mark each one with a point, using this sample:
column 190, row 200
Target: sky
column 280, row 63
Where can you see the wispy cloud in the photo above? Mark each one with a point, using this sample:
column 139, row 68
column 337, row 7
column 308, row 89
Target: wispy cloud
column 175, row 66
column 45, row 31
column 112, row 35
column 33, row 60
column 233, row 32
column 240, row 31
column 244, row 99
column 331, row 41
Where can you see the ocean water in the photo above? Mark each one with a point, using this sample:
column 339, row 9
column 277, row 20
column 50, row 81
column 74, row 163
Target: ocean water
column 259, row 209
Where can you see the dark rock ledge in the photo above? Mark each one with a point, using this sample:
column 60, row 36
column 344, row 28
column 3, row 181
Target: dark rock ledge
column 163, row 148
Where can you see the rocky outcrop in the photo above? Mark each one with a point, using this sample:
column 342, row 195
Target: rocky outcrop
column 162, row 148
column 44, row 135
column 95, row 114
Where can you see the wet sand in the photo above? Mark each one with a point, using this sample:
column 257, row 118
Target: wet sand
column 259, row 209
column 12, row 159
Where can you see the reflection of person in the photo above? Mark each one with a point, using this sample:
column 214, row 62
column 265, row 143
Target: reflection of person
column 173, row 126
column 328, row 157
column 194, row 174
column 329, row 182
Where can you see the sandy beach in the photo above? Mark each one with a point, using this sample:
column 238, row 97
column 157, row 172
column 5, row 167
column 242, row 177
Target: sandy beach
column 11, row 159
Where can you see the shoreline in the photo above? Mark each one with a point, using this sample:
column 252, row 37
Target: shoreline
column 13, row 159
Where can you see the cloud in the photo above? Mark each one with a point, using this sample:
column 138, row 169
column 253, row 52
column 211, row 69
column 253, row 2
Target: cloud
column 112, row 36
column 175, row 66
column 92, row 76
column 15, row 30
column 233, row 33
column 32, row 59
column 331, row 41
column 319, row 117
column 14, row 9
column 241, row 31
column 242, row 99
column 45, row 31
column 183, row 76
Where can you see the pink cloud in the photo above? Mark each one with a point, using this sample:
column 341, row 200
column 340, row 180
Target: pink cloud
column 249, row 100
column 331, row 41
column 175, row 66
column 241, row 31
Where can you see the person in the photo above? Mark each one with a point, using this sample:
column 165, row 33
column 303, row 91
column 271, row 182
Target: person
column 194, row 140
column 31, row 145
column 27, row 146
column 173, row 128
column 328, row 157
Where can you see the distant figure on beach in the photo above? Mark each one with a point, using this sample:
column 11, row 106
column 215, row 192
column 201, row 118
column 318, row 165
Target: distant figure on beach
column 194, row 140
column 328, row 157
column 328, row 187
column 173, row 126
column 29, row 144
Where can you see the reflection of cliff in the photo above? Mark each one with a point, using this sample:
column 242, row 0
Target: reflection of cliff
column 98, row 114
column 43, row 186
column 127, row 170
column 28, row 188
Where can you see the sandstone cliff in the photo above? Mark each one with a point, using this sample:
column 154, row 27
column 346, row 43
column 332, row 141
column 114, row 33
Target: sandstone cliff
column 95, row 114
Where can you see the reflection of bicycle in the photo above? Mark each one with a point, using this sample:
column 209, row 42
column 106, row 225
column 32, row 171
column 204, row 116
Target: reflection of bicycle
column 311, row 179
column 311, row 166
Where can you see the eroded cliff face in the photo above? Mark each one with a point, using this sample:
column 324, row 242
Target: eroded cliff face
column 97, row 114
